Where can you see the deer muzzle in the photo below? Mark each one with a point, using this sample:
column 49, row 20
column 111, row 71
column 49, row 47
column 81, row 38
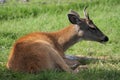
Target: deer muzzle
column 104, row 39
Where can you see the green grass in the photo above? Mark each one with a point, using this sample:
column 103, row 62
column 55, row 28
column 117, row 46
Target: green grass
column 18, row 19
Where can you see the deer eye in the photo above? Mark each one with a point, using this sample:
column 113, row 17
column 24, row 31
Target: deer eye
column 90, row 22
column 92, row 29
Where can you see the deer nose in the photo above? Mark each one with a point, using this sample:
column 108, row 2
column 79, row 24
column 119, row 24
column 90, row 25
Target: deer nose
column 105, row 39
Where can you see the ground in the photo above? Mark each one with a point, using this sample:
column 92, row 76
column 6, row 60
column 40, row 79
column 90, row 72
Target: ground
column 18, row 19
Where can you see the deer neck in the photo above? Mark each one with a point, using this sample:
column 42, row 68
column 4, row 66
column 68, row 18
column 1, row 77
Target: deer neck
column 67, row 37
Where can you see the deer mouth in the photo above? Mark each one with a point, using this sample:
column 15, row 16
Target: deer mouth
column 104, row 39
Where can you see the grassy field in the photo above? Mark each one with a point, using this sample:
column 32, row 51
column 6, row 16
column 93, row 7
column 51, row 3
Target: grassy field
column 18, row 19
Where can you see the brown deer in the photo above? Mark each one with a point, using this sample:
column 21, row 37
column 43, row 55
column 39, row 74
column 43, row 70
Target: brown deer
column 41, row 51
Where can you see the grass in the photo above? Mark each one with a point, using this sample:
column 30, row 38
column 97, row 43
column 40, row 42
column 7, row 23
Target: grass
column 18, row 19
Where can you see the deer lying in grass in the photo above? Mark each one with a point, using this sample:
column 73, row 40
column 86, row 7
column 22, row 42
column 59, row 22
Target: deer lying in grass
column 45, row 51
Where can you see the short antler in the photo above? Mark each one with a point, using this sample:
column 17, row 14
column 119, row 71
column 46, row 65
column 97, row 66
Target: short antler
column 85, row 13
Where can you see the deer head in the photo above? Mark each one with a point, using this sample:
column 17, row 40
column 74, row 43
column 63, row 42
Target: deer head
column 86, row 27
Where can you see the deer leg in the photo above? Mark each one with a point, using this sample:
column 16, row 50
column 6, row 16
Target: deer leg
column 59, row 61
column 73, row 64
column 80, row 67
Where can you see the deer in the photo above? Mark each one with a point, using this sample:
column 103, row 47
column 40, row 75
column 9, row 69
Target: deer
column 40, row 51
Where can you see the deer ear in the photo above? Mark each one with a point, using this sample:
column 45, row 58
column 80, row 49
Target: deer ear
column 73, row 19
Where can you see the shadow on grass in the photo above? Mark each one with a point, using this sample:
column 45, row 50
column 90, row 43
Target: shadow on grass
column 100, row 74
column 10, row 35
column 90, row 74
